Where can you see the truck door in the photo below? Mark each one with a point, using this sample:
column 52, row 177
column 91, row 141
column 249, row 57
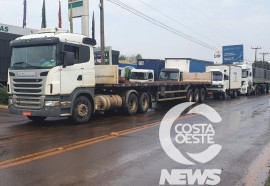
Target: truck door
column 71, row 76
column 88, row 62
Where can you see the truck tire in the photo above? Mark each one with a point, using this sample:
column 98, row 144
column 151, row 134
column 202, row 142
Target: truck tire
column 189, row 96
column 215, row 96
column 196, row 95
column 202, row 95
column 36, row 118
column 222, row 96
column 234, row 94
column 131, row 104
column 143, row 103
column 82, row 110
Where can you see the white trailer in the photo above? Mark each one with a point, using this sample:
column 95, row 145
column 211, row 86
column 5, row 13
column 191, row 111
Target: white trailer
column 226, row 80
column 254, row 80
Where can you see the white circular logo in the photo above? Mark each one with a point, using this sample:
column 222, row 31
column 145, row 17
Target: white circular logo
column 189, row 133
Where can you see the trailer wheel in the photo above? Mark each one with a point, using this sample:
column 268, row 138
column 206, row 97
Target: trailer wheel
column 234, row 94
column 189, row 97
column 143, row 103
column 131, row 104
column 196, row 96
column 82, row 110
column 202, row 95
column 215, row 96
column 36, row 118
column 222, row 96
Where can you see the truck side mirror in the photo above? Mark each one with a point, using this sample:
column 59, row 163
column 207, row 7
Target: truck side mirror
column 68, row 59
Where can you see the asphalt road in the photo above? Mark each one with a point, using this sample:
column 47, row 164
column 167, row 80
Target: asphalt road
column 119, row 150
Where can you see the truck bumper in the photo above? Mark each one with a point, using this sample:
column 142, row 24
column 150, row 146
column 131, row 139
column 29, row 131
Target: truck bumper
column 45, row 111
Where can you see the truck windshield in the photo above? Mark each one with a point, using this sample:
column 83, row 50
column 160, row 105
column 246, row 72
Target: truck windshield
column 217, row 76
column 166, row 75
column 34, row 57
column 244, row 73
column 138, row 75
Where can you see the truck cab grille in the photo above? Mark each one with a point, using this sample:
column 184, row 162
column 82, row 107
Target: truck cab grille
column 27, row 93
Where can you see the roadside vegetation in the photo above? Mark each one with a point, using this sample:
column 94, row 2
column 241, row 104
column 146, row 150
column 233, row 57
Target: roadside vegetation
column 3, row 96
column 267, row 182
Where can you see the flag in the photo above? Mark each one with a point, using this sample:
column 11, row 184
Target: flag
column 71, row 20
column 24, row 13
column 93, row 26
column 59, row 16
column 43, row 23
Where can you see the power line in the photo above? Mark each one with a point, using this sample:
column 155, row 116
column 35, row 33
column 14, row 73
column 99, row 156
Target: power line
column 162, row 25
column 195, row 18
column 216, row 24
column 176, row 21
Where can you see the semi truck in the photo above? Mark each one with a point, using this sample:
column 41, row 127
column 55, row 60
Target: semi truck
column 151, row 64
column 187, row 64
column 254, row 80
column 176, row 67
column 226, row 80
column 142, row 75
column 53, row 74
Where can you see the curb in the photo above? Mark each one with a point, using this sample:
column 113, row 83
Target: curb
column 3, row 107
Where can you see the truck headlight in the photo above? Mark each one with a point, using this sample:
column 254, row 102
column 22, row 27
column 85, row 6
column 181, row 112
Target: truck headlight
column 52, row 103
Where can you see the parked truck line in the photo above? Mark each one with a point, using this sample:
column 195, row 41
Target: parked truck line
column 53, row 74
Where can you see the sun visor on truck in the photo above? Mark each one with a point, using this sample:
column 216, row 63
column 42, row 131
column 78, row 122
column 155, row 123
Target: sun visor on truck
column 89, row 41
column 34, row 41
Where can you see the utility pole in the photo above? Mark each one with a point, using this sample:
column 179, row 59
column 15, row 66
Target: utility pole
column 264, row 54
column 102, row 38
column 256, row 48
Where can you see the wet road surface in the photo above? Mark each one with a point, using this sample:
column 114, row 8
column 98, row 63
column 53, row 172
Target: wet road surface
column 57, row 152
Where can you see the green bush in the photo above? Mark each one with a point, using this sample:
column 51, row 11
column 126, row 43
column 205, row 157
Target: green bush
column 3, row 96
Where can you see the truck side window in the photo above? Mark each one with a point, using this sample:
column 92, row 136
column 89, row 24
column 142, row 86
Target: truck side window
column 250, row 74
column 84, row 54
column 75, row 50
column 226, row 77
column 150, row 76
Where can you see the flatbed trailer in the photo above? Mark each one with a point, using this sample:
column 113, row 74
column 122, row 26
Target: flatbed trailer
column 147, row 93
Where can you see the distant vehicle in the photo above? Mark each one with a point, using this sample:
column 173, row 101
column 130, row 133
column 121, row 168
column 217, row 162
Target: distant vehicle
column 254, row 80
column 187, row 64
column 142, row 75
column 174, row 67
column 152, row 64
column 226, row 80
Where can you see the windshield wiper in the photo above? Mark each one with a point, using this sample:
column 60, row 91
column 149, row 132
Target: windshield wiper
column 20, row 63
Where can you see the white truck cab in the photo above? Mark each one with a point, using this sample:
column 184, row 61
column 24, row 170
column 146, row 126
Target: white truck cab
column 141, row 75
column 226, row 80
column 49, row 73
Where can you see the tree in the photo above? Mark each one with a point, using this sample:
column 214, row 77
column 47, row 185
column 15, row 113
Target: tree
column 139, row 56
column 122, row 57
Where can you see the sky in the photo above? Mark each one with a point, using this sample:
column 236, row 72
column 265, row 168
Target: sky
column 216, row 23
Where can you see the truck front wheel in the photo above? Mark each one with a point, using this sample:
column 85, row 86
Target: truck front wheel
column 36, row 118
column 82, row 110
column 143, row 103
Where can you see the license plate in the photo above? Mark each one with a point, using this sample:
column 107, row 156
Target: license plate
column 27, row 113
column 210, row 93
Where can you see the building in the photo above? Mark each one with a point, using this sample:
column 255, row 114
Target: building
column 7, row 34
